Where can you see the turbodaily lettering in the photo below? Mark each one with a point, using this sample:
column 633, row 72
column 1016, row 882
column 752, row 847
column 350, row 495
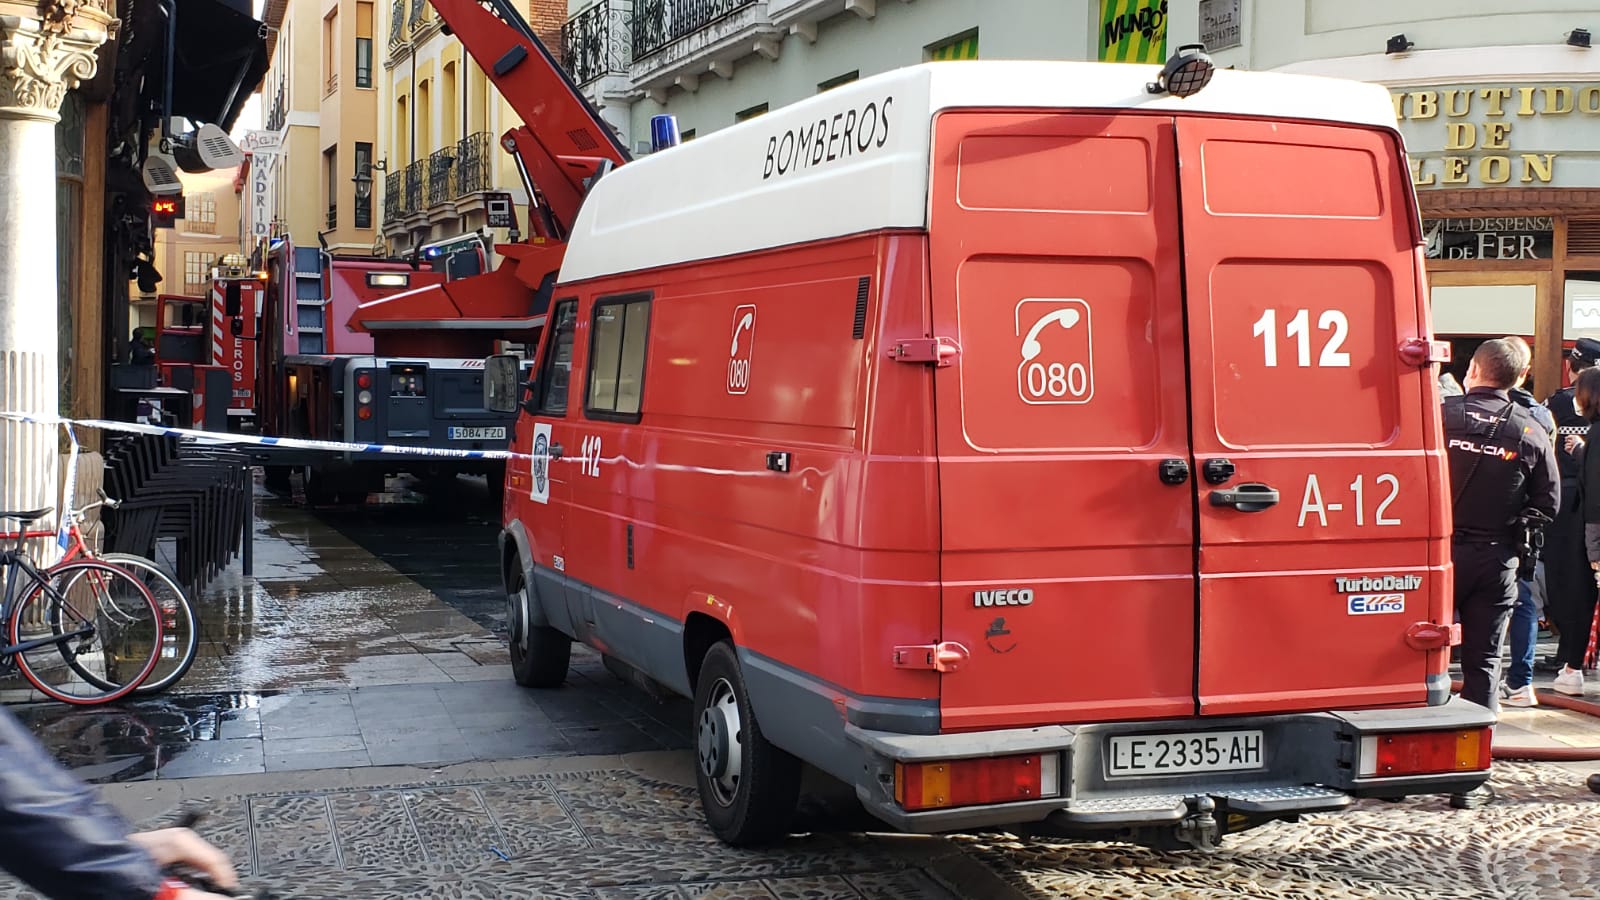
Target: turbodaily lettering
column 1371, row 584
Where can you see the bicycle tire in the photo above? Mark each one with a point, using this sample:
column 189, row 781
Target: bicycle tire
column 33, row 663
column 179, row 629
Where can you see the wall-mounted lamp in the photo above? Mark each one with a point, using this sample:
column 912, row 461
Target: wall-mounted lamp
column 1579, row 37
column 1399, row 44
column 363, row 178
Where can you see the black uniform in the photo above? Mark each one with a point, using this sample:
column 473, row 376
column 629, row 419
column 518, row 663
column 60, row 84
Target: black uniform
column 1502, row 469
column 1569, row 592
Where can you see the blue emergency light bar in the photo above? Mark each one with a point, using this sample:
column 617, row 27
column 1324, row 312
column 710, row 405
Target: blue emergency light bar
column 663, row 132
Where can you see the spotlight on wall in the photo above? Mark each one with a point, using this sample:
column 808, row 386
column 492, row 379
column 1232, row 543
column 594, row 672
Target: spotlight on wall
column 206, row 148
column 1579, row 37
column 1399, row 44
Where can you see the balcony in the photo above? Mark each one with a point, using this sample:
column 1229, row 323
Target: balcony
column 677, row 42
column 802, row 16
column 332, row 86
column 397, row 25
column 393, row 208
column 414, row 179
column 598, row 41
column 333, row 217
column 439, row 163
column 474, row 171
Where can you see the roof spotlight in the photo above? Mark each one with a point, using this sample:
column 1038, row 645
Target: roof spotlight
column 1399, row 44
column 1579, row 37
column 1189, row 70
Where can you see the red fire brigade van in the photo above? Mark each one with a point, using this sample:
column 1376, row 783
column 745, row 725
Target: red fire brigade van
column 1019, row 442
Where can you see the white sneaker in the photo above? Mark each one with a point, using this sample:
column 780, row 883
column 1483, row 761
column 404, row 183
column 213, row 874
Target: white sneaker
column 1570, row 681
column 1522, row 697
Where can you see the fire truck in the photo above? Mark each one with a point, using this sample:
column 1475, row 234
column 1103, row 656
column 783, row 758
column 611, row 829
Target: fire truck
column 339, row 362
column 914, row 432
column 207, row 347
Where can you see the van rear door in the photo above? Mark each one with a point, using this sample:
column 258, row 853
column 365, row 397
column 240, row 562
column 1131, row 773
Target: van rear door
column 1299, row 253
column 1068, row 523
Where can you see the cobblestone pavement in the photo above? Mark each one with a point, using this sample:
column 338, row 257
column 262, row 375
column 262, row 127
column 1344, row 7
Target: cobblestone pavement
column 607, row 828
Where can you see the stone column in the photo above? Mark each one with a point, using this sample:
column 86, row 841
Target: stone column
column 45, row 50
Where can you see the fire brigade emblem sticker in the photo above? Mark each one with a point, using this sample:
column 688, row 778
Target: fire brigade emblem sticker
column 539, row 492
column 1057, row 351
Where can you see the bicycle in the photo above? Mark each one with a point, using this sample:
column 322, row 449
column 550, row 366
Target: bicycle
column 180, row 634
column 118, row 649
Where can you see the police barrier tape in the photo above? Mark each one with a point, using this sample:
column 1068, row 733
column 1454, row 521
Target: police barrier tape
column 228, row 438
column 69, row 483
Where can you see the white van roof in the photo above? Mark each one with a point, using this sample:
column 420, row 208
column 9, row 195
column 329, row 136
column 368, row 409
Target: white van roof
column 765, row 183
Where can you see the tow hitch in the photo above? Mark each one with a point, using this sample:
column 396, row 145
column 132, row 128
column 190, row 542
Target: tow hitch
column 1199, row 827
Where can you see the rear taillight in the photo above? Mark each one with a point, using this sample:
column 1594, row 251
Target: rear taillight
column 1425, row 752
column 364, row 380
column 364, row 395
column 973, row 782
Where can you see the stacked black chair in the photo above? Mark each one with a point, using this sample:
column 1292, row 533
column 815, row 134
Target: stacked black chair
column 195, row 495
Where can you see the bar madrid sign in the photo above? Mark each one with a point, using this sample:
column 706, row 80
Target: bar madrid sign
column 1501, row 135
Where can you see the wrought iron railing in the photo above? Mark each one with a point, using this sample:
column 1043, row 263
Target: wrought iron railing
column 397, row 24
column 332, row 85
column 393, row 209
column 658, row 23
column 439, row 163
column 596, row 42
column 333, row 217
column 414, row 179
column 419, row 10
column 473, row 164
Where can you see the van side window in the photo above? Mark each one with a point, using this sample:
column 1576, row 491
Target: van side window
column 616, row 358
column 556, row 376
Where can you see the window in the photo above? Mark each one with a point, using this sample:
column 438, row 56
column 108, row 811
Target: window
column 555, row 374
column 200, row 213
column 330, row 170
column 197, row 271
column 832, row 83
column 616, row 358
column 961, row 46
column 364, row 44
column 330, row 59
column 750, row 113
column 364, row 204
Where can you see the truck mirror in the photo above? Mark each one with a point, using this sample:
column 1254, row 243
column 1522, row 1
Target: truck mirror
column 236, row 327
column 232, row 305
column 501, row 385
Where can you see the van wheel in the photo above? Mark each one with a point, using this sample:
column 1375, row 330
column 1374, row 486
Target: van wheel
column 748, row 787
column 540, row 655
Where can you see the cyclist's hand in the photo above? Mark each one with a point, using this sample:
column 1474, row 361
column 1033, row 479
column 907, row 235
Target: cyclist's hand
column 181, row 846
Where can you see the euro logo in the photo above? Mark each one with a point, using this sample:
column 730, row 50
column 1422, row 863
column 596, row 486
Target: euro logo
column 1376, row 604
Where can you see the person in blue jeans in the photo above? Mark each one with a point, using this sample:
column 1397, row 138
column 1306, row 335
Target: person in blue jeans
column 1524, row 630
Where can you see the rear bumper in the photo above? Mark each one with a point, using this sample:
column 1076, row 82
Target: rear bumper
column 1311, row 765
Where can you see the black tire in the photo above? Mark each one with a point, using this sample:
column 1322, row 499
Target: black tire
column 319, row 490
column 748, row 787
column 540, row 655
column 276, row 479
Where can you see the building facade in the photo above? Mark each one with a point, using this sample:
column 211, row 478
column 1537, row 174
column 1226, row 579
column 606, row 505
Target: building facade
column 1500, row 108
column 321, row 100
column 712, row 64
column 439, row 147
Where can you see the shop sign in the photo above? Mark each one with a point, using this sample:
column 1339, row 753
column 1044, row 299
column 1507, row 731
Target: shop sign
column 1219, row 24
column 1490, row 237
column 1133, row 31
column 262, row 182
column 1501, row 135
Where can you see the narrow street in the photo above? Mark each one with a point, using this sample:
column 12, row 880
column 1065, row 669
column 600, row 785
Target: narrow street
column 353, row 728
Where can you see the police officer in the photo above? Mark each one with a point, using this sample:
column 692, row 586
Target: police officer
column 1569, row 583
column 1502, row 472
column 1518, row 687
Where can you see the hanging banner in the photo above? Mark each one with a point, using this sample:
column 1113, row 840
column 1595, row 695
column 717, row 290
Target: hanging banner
column 1133, row 31
column 262, row 183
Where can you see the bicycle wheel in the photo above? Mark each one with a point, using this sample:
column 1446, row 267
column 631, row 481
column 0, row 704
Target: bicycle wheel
column 180, row 632
column 87, row 616
column 180, row 627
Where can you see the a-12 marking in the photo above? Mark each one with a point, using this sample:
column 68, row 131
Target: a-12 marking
column 1312, row 503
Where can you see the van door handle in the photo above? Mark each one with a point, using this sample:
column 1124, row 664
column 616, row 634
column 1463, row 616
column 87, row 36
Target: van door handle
column 556, row 451
column 1253, row 497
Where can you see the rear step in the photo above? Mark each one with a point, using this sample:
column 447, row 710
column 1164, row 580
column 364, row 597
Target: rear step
column 1163, row 809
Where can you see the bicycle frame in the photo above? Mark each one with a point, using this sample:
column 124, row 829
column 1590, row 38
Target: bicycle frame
column 13, row 562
